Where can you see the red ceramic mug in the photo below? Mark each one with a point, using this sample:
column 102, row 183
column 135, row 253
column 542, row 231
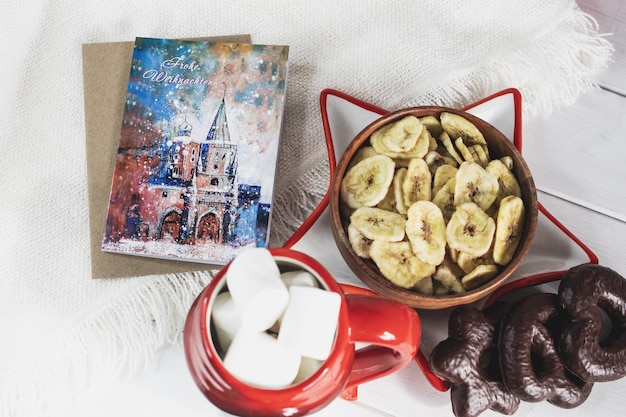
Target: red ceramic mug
column 390, row 330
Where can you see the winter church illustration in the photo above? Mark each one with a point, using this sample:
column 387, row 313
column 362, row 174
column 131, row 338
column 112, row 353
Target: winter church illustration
column 193, row 197
column 204, row 177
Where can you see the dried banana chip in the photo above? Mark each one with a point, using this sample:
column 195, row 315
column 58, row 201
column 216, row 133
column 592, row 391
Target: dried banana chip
column 507, row 183
column 434, row 160
column 424, row 286
column 465, row 152
column 446, row 141
column 432, row 124
column 375, row 223
column 417, row 183
column 443, row 174
column 459, row 127
column 380, row 141
column 509, row 228
column 444, row 199
column 474, row 184
column 398, row 194
column 469, row 262
column 452, row 253
column 389, row 202
column 426, row 230
column 397, row 262
column 441, row 150
column 399, row 136
column 479, row 276
column 432, row 142
column 367, row 182
column 480, row 154
column 359, row 242
column 470, row 230
column 401, row 162
column 363, row 153
column 449, row 275
column 507, row 161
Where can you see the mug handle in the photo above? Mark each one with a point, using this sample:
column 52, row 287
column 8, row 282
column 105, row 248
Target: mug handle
column 392, row 331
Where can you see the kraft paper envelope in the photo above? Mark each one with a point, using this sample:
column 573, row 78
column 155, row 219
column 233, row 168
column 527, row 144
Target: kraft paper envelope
column 106, row 67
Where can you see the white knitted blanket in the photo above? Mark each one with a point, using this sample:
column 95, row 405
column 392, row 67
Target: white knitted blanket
column 61, row 331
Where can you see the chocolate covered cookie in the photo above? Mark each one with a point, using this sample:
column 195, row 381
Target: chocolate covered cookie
column 592, row 348
column 529, row 359
column 468, row 359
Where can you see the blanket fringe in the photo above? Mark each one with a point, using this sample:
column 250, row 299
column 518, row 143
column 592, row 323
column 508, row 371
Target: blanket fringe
column 546, row 79
column 114, row 343
column 296, row 200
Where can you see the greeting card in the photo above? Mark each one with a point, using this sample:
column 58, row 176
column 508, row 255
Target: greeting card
column 195, row 165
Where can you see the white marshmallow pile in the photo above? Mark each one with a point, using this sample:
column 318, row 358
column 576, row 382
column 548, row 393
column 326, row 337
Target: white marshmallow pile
column 276, row 329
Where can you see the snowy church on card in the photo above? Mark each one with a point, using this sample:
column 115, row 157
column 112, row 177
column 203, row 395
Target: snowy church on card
column 201, row 126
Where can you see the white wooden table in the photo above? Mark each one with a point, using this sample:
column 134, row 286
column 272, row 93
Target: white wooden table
column 577, row 157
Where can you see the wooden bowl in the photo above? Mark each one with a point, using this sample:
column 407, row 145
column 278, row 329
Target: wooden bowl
column 368, row 272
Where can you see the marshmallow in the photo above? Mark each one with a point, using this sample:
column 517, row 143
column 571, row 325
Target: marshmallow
column 291, row 278
column 258, row 359
column 259, row 294
column 308, row 366
column 226, row 319
column 301, row 278
column 310, row 321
